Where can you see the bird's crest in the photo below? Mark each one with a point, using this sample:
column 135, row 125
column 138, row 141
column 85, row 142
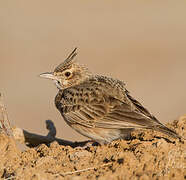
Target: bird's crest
column 69, row 60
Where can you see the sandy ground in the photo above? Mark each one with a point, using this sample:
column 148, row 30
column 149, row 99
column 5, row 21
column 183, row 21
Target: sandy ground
column 146, row 155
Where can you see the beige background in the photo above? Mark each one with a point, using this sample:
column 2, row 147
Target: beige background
column 140, row 42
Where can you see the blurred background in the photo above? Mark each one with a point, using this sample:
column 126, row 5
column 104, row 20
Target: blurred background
column 142, row 43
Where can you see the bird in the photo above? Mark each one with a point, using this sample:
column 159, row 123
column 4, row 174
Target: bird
column 97, row 106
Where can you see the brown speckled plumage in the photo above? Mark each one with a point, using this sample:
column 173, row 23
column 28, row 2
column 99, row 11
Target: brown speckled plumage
column 97, row 106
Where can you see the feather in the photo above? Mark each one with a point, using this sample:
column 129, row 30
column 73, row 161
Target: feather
column 67, row 62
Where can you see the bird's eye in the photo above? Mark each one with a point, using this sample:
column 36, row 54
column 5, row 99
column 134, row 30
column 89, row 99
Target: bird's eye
column 67, row 74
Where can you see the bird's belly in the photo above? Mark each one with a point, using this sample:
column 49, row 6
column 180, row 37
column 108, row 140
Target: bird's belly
column 100, row 135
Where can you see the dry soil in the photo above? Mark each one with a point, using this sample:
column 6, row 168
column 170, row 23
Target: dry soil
column 146, row 155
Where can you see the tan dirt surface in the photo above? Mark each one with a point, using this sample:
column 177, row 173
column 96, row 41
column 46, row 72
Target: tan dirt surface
column 146, row 155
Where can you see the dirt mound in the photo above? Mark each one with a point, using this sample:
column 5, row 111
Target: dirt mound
column 147, row 155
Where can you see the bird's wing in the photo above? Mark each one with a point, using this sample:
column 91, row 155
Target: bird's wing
column 139, row 107
column 102, row 110
column 124, row 115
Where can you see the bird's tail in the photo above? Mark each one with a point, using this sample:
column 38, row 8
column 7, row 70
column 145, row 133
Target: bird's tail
column 166, row 130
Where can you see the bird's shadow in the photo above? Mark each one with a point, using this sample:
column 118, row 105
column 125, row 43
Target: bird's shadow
column 33, row 140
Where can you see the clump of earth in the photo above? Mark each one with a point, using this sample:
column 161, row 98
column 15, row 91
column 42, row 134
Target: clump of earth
column 146, row 155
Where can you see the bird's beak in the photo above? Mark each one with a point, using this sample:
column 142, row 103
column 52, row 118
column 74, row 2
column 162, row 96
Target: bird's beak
column 48, row 75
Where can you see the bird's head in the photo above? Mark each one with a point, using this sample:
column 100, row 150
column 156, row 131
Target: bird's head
column 69, row 73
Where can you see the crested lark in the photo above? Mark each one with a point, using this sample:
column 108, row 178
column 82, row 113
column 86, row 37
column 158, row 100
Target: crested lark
column 99, row 107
